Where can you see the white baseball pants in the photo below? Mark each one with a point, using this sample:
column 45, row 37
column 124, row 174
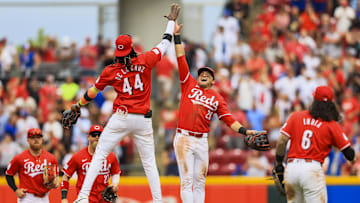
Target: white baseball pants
column 305, row 182
column 31, row 198
column 116, row 129
column 192, row 156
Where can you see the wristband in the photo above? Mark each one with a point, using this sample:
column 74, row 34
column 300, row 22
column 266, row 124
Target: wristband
column 177, row 39
column 64, row 194
column 242, row 130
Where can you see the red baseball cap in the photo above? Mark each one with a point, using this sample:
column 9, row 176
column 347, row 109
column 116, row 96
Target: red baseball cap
column 212, row 72
column 323, row 93
column 124, row 45
column 95, row 128
column 34, row 131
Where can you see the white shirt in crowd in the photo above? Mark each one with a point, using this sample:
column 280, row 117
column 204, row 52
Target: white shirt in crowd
column 344, row 15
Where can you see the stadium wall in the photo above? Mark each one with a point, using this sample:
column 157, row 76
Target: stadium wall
column 218, row 189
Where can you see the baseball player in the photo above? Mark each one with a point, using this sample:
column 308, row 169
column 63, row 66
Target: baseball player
column 80, row 162
column 198, row 105
column 130, row 75
column 312, row 134
column 30, row 166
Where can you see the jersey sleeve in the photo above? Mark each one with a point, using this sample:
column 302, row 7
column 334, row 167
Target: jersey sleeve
column 152, row 57
column 184, row 73
column 224, row 114
column 13, row 166
column 340, row 140
column 289, row 125
column 70, row 167
column 115, row 168
column 103, row 80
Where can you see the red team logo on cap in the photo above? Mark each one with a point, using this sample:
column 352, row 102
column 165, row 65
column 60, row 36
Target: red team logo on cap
column 323, row 93
column 123, row 45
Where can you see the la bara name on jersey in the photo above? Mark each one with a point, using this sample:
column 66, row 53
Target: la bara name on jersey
column 313, row 122
column 105, row 167
column 132, row 68
column 197, row 97
column 32, row 169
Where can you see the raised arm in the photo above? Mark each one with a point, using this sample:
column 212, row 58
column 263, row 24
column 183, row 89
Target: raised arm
column 180, row 54
column 168, row 34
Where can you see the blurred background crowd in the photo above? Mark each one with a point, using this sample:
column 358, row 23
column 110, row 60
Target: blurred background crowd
column 268, row 61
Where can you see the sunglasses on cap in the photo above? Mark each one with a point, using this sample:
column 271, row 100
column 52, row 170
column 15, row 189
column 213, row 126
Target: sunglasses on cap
column 95, row 133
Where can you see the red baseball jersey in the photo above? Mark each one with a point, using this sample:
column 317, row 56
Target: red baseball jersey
column 132, row 84
column 31, row 169
column 80, row 163
column 313, row 138
column 198, row 105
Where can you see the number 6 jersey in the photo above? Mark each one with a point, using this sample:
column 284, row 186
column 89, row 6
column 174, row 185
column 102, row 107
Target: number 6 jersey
column 198, row 105
column 313, row 138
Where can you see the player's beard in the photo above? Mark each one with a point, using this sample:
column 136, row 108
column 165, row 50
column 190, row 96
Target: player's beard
column 36, row 147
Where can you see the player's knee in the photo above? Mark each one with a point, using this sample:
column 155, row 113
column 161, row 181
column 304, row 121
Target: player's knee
column 187, row 183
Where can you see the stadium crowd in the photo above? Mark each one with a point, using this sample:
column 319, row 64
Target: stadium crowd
column 267, row 66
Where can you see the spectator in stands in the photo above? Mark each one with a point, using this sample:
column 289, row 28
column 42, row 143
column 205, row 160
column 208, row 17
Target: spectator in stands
column 10, row 126
column 332, row 42
column 241, row 48
column 164, row 72
column 47, row 95
column 244, row 95
column 256, row 118
column 48, row 50
column 8, row 149
column 223, row 85
column 65, row 54
column 52, row 131
column 351, row 108
column 80, row 131
column 294, row 19
column 344, row 15
column 257, row 164
column 23, row 124
column 168, row 159
column 7, row 55
column 87, row 58
column 231, row 28
column 4, row 117
column 69, row 90
column 309, row 20
column 221, row 47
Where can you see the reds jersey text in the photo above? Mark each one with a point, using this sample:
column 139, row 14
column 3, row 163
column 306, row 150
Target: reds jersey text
column 31, row 169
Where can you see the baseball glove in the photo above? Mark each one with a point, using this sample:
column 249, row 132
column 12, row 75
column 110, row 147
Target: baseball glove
column 70, row 116
column 278, row 176
column 108, row 195
column 258, row 141
column 49, row 175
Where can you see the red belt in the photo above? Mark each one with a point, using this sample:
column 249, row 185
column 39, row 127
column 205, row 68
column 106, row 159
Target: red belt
column 306, row 160
column 198, row 135
column 39, row 195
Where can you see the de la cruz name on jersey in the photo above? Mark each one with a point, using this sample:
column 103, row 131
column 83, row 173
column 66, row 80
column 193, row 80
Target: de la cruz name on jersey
column 132, row 84
column 198, row 105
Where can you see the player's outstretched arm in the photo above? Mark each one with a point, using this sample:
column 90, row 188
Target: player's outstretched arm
column 168, row 34
column 70, row 116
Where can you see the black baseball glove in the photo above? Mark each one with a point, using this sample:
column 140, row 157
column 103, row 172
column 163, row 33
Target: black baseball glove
column 258, row 141
column 278, row 176
column 70, row 116
column 109, row 195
